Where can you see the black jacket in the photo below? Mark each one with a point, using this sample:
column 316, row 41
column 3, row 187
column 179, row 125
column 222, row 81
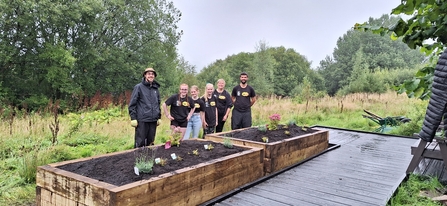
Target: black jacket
column 438, row 100
column 144, row 104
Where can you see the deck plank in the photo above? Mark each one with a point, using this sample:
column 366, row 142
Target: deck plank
column 366, row 169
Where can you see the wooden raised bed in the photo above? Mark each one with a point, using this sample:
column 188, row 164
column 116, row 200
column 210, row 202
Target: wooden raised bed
column 187, row 186
column 279, row 155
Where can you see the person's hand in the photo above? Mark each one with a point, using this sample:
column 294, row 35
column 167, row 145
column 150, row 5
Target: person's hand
column 158, row 122
column 170, row 117
column 224, row 118
column 134, row 123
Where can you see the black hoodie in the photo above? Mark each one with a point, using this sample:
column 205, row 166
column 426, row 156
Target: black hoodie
column 144, row 104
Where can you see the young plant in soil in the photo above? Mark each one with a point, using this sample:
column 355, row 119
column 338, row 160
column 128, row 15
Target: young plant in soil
column 144, row 160
column 162, row 161
column 209, row 147
column 175, row 138
column 265, row 139
column 262, row 128
column 227, row 142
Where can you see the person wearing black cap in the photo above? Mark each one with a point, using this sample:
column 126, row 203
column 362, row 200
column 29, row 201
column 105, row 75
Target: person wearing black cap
column 144, row 109
column 243, row 96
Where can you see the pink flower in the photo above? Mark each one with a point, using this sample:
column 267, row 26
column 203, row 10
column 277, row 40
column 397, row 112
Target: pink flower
column 168, row 144
column 274, row 121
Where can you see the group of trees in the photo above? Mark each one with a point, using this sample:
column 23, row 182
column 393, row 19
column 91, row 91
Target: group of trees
column 424, row 27
column 71, row 51
column 361, row 62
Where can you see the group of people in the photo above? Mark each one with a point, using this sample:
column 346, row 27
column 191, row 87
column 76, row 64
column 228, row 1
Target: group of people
column 189, row 113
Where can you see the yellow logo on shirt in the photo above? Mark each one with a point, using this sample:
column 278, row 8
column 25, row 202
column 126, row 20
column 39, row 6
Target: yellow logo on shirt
column 245, row 94
column 196, row 105
column 185, row 104
column 221, row 97
column 213, row 104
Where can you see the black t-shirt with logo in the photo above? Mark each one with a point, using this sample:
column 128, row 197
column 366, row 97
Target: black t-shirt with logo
column 210, row 110
column 199, row 105
column 223, row 101
column 243, row 97
column 180, row 107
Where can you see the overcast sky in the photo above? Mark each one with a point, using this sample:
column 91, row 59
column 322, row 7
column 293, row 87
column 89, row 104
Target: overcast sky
column 215, row 29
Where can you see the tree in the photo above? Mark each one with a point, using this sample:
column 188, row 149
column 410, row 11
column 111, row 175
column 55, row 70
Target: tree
column 263, row 67
column 425, row 29
column 73, row 49
column 291, row 67
column 379, row 52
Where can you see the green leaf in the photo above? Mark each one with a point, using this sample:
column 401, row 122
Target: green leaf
column 412, row 84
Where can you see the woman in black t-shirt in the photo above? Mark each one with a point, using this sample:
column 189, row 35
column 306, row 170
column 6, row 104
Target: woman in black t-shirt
column 181, row 109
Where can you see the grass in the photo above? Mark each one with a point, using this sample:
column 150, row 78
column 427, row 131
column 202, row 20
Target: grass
column 27, row 142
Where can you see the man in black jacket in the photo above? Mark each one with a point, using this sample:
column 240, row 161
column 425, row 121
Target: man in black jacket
column 144, row 109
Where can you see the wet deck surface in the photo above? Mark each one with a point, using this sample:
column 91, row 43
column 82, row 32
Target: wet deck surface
column 365, row 170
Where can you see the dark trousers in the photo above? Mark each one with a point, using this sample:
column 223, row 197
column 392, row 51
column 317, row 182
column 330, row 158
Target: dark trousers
column 208, row 130
column 220, row 123
column 240, row 119
column 145, row 134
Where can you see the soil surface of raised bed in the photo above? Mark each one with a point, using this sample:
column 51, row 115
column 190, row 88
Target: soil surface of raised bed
column 254, row 134
column 119, row 169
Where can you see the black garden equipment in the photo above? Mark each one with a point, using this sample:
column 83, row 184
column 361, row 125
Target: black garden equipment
column 386, row 123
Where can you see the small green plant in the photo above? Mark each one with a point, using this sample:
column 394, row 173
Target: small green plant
column 265, row 139
column 195, row 152
column 287, row 133
column 274, row 121
column 144, row 160
column 291, row 122
column 227, row 142
column 179, row 158
column 262, row 128
column 304, row 128
column 210, row 147
column 175, row 137
column 163, row 161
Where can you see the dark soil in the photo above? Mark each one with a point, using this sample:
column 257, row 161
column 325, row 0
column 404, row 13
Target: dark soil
column 254, row 134
column 119, row 169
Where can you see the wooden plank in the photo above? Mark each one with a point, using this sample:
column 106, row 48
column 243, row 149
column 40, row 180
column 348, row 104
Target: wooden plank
column 362, row 186
column 298, row 143
column 279, row 155
column 191, row 185
column 294, row 196
column 203, row 179
column 417, row 156
column 235, row 200
column 294, row 157
column 188, row 192
column 343, row 194
column 72, row 186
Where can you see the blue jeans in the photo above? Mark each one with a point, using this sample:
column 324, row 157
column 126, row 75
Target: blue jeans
column 194, row 125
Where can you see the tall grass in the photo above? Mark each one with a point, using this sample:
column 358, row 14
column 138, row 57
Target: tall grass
column 26, row 140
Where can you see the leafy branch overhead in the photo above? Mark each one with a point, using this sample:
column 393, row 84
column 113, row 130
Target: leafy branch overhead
column 425, row 29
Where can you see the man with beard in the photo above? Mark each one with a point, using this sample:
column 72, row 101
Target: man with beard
column 243, row 96
column 144, row 109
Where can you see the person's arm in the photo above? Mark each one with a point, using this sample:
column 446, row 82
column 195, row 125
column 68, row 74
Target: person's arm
column 216, row 116
column 202, row 117
column 133, row 104
column 168, row 115
column 191, row 112
column 252, row 100
column 191, row 107
column 229, row 104
column 225, row 117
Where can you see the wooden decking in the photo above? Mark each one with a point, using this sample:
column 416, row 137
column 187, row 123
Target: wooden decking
column 365, row 169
